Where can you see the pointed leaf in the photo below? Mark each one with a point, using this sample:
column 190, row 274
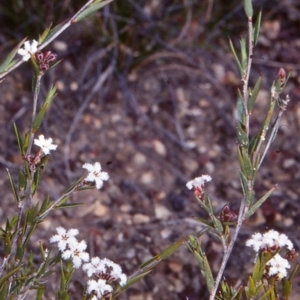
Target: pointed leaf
column 257, row 204
column 244, row 56
column 242, row 137
column 208, row 275
column 40, row 116
column 7, row 62
column 13, row 188
column 254, row 93
column 44, row 34
column 240, row 108
column 19, row 138
column 53, row 31
column 257, row 29
column 236, row 57
column 91, row 9
column 248, row 8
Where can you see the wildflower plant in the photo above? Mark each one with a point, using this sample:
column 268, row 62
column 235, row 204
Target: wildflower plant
column 19, row 275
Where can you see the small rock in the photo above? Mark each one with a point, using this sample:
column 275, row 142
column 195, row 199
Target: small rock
column 175, row 266
column 140, row 219
column 159, row 148
column 161, row 212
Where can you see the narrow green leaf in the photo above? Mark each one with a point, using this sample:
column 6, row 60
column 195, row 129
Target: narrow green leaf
column 130, row 282
column 203, row 221
column 249, row 198
column 7, row 62
column 22, row 181
column 266, row 294
column 248, row 8
column 247, row 164
column 20, row 250
column 259, row 267
column 10, row 274
column 71, row 205
column 240, row 111
column 13, row 188
column 166, row 253
column 242, row 137
column 286, row 288
column 217, row 224
column 251, row 286
column 54, row 30
column 244, row 56
column 19, row 138
column 7, row 245
column 257, row 204
column 40, row 116
column 208, row 275
column 4, row 290
column 91, row 9
column 254, row 93
column 236, row 57
column 44, row 34
column 257, row 29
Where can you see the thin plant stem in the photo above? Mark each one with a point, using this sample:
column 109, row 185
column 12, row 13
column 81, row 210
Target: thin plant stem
column 43, row 45
column 35, row 99
column 228, row 251
column 247, row 75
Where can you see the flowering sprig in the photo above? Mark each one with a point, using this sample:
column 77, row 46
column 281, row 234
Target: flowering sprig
column 70, row 247
column 269, row 243
column 105, row 271
column 197, row 185
column 95, row 174
column 45, row 144
column 28, row 50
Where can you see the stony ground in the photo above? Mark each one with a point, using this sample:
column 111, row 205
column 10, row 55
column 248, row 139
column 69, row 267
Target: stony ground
column 154, row 122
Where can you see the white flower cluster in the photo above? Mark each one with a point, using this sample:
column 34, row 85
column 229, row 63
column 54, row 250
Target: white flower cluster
column 198, row 182
column 45, row 144
column 28, row 50
column 70, row 247
column 105, row 271
column 270, row 242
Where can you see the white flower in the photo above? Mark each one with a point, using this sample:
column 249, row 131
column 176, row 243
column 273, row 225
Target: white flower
column 105, row 268
column 63, row 238
column 45, row 144
column 198, row 182
column 95, row 174
column 99, row 288
column 76, row 252
column 277, row 266
column 28, row 50
column 269, row 240
column 255, row 241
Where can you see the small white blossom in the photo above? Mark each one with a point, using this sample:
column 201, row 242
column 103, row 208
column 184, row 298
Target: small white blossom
column 95, row 174
column 99, row 288
column 105, row 268
column 63, row 237
column 45, row 144
column 198, row 182
column 255, row 241
column 76, row 252
column 269, row 240
column 277, row 266
column 28, row 50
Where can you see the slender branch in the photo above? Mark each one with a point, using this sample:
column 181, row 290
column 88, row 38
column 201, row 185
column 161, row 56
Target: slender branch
column 228, row 251
column 43, row 45
column 273, row 132
column 247, row 75
column 35, row 98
